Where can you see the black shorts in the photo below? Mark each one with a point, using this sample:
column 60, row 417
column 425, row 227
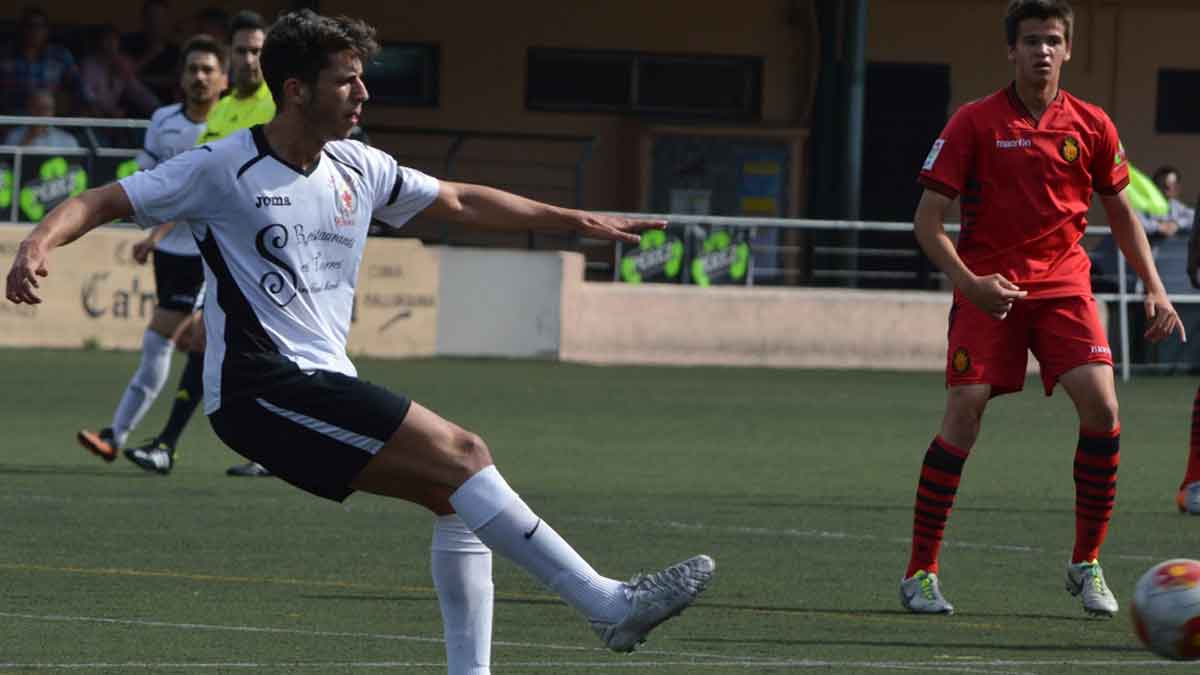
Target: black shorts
column 316, row 431
column 179, row 281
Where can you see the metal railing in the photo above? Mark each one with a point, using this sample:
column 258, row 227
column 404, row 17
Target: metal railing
column 58, row 179
column 690, row 228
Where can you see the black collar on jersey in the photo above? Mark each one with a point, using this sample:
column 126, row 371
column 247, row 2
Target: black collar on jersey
column 264, row 150
column 1022, row 110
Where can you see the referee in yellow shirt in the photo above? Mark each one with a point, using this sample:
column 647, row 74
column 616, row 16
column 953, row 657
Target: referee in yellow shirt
column 250, row 102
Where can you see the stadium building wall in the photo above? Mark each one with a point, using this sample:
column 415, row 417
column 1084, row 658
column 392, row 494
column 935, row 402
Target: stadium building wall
column 1117, row 52
column 1119, row 47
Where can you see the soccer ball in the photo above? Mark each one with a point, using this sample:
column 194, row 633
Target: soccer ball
column 1166, row 609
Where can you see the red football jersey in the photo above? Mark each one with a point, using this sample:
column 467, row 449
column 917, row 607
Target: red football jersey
column 1026, row 186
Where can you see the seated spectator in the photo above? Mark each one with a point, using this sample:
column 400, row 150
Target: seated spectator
column 154, row 52
column 110, row 79
column 40, row 103
column 31, row 62
column 1179, row 215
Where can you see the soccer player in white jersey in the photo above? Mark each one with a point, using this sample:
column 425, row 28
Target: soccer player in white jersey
column 178, row 272
column 281, row 214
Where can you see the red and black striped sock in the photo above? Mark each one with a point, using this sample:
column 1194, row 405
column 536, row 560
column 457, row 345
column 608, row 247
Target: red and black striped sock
column 940, row 474
column 1193, row 465
column 1096, row 461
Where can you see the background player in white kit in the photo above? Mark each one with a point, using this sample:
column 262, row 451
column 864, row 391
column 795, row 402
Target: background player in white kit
column 178, row 272
column 281, row 213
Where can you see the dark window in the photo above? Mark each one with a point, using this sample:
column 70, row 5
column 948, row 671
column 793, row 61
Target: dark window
column 679, row 86
column 1178, row 102
column 403, row 74
column 721, row 87
column 565, row 80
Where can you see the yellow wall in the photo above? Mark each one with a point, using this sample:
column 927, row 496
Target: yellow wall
column 1117, row 52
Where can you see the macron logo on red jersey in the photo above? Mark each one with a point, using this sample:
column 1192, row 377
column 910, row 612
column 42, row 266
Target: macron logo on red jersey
column 1004, row 144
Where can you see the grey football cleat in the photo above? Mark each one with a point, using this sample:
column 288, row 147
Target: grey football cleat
column 922, row 594
column 154, row 456
column 656, row 598
column 1086, row 580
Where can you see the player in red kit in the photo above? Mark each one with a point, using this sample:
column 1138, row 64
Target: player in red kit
column 1024, row 162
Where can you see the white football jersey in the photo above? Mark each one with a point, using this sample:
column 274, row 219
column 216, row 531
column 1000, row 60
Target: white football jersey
column 170, row 133
column 281, row 248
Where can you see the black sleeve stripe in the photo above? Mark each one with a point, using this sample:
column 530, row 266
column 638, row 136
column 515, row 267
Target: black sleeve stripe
column 396, row 187
column 152, row 155
column 205, row 147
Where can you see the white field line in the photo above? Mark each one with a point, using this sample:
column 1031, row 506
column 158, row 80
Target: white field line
column 995, row 666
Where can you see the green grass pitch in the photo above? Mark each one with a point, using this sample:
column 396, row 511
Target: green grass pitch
column 799, row 483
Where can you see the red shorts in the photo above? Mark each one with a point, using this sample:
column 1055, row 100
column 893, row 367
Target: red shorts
column 1063, row 333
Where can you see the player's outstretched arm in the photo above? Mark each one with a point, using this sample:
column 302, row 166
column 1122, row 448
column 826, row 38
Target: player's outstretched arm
column 66, row 223
column 993, row 293
column 488, row 208
column 1129, row 235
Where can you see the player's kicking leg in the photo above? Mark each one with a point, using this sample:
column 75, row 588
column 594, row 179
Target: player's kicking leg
column 1097, row 457
column 941, row 471
column 428, row 449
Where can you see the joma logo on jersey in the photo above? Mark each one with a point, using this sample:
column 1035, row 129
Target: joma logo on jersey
column 271, row 200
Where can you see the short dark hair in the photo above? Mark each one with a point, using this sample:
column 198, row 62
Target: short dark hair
column 207, row 44
column 246, row 20
column 1019, row 10
column 300, row 43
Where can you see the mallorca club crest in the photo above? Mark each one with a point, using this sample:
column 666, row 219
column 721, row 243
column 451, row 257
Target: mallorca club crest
column 343, row 201
column 961, row 361
column 1069, row 149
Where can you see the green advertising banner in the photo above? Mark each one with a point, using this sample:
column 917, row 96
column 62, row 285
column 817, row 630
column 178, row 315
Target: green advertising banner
column 658, row 258
column 6, row 189
column 47, row 181
column 722, row 257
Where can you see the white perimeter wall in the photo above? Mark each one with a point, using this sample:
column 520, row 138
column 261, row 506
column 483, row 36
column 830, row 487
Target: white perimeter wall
column 499, row 302
column 521, row 303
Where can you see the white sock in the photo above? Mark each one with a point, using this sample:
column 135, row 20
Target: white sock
column 147, row 381
column 507, row 525
column 462, row 575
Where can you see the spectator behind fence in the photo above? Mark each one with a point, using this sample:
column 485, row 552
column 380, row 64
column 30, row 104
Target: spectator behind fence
column 32, row 62
column 40, row 103
column 110, row 79
column 154, row 52
column 1179, row 215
